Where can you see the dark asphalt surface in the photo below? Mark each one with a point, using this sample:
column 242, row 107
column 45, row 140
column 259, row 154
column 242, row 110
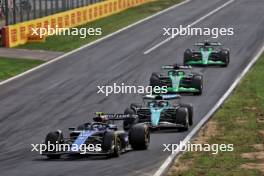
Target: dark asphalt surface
column 63, row 94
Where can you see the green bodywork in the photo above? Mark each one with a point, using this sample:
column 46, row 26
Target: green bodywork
column 205, row 55
column 175, row 80
column 200, row 62
column 205, row 58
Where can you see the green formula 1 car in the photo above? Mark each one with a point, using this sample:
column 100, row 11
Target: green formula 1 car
column 208, row 53
column 178, row 80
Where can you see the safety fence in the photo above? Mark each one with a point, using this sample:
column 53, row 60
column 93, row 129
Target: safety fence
column 15, row 11
column 19, row 33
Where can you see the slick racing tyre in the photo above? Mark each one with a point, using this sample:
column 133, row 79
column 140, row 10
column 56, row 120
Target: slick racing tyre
column 129, row 122
column 187, row 56
column 54, row 138
column 224, row 56
column 139, row 137
column 182, row 118
column 112, row 144
column 155, row 80
column 197, row 83
column 190, row 112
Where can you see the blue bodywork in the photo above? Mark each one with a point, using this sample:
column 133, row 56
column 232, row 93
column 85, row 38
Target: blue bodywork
column 83, row 136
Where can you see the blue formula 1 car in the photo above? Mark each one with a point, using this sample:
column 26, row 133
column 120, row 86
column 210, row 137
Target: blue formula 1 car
column 99, row 138
column 159, row 111
column 207, row 54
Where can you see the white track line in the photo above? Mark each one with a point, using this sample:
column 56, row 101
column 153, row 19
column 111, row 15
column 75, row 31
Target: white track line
column 92, row 43
column 190, row 25
column 164, row 167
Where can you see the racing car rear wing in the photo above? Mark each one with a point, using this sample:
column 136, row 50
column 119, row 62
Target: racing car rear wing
column 208, row 44
column 162, row 97
column 175, row 67
column 100, row 116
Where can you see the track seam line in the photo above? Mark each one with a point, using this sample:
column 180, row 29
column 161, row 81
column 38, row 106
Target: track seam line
column 164, row 167
column 189, row 25
column 93, row 43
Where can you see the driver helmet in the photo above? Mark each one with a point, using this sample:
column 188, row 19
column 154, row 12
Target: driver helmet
column 206, row 43
column 162, row 103
column 153, row 104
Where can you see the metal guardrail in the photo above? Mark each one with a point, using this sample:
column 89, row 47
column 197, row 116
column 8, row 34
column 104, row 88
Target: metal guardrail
column 15, row 11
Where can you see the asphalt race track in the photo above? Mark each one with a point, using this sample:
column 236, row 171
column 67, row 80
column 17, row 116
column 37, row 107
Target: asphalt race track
column 63, row 94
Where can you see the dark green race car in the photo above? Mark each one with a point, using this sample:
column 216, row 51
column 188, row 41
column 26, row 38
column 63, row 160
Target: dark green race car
column 178, row 80
column 208, row 53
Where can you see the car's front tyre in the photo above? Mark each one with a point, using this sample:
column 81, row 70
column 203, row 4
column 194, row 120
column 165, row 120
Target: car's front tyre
column 182, row 118
column 54, row 138
column 190, row 112
column 129, row 122
column 224, row 57
column 197, row 83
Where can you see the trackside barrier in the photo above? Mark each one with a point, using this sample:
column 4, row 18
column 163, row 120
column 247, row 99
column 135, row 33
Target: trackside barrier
column 17, row 34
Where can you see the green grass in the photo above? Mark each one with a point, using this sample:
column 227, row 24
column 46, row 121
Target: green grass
column 109, row 25
column 10, row 67
column 237, row 124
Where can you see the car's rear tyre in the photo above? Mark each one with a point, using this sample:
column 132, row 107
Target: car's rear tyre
column 155, row 80
column 187, row 56
column 112, row 144
column 129, row 122
column 182, row 118
column 224, row 57
column 129, row 111
column 139, row 137
column 197, row 83
column 54, row 138
column 190, row 112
